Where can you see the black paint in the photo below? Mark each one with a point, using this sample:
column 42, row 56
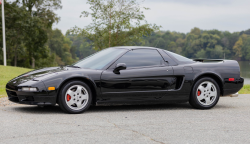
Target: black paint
column 171, row 80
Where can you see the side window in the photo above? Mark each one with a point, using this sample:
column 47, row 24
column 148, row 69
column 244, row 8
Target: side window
column 141, row 58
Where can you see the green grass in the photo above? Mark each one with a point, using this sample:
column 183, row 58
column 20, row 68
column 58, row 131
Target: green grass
column 6, row 74
column 245, row 90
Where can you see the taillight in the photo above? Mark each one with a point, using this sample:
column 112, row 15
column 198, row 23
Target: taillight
column 231, row 79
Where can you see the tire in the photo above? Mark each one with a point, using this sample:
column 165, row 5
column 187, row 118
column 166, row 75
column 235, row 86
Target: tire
column 75, row 97
column 202, row 97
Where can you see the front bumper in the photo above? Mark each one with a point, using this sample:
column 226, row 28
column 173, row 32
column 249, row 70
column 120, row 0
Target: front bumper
column 30, row 98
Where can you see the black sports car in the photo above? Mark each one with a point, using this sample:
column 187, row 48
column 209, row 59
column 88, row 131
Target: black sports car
column 128, row 75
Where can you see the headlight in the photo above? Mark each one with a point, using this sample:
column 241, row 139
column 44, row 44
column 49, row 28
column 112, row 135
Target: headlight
column 29, row 89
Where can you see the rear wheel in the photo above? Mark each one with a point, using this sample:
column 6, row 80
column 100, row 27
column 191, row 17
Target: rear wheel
column 205, row 93
column 75, row 97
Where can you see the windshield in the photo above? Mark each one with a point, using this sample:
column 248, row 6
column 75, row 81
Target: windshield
column 179, row 57
column 100, row 59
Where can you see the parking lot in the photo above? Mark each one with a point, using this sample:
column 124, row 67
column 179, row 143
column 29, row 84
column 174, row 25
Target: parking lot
column 228, row 122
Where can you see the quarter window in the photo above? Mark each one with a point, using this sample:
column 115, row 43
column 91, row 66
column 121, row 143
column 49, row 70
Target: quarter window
column 141, row 58
column 179, row 57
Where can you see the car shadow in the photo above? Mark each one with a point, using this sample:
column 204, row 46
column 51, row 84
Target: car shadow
column 38, row 110
column 151, row 107
column 112, row 108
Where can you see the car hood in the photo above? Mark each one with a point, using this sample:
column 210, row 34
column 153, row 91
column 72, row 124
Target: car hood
column 32, row 75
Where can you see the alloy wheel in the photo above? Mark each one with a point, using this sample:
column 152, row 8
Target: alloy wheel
column 76, row 97
column 206, row 93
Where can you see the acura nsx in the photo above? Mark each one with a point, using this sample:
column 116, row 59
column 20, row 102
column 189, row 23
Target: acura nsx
column 128, row 75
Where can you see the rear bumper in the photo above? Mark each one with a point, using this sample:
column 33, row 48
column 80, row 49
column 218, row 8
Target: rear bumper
column 232, row 87
column 30, row 98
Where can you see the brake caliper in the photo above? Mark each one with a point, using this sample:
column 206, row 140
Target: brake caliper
column 68, row 97
column 199, row 93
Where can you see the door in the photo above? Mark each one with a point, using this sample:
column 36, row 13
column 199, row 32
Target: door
column 147, row 77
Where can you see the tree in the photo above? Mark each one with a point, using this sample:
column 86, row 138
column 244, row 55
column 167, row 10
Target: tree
column 201, row 54
column 248, row 54
column 237, row 48
column 115, row 23
column 43, row 17
column 43, row 9
column 232, row 39
column 245, row 47
column 16, row 24
column 61, row 46
column 172, row 46
column 81, row 46
column 195, row 31
column 216, row 53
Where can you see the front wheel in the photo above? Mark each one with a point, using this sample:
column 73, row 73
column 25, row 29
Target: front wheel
column 75, row 97
column 205, row 93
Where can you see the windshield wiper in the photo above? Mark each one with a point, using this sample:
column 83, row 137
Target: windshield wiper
column 73, row 66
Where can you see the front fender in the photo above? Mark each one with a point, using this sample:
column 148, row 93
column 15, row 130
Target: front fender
column 58, row 80
column 91, row 77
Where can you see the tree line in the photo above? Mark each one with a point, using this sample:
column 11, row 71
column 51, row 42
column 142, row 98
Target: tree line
column 211, row 44
column 32, row 43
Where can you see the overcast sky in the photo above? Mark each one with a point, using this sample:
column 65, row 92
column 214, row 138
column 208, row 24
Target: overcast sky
column 173, row 15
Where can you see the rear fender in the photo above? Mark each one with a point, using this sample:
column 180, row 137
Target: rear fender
column 213, row 75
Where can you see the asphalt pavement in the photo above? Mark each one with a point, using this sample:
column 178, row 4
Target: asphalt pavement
column 228, row 122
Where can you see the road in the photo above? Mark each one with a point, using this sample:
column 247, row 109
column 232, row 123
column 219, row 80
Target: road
column 228, row 122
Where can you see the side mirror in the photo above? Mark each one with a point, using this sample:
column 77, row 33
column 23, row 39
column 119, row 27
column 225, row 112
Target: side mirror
column 119, row 66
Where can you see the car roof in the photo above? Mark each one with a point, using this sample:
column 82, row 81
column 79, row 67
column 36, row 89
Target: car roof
column 135, row 47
